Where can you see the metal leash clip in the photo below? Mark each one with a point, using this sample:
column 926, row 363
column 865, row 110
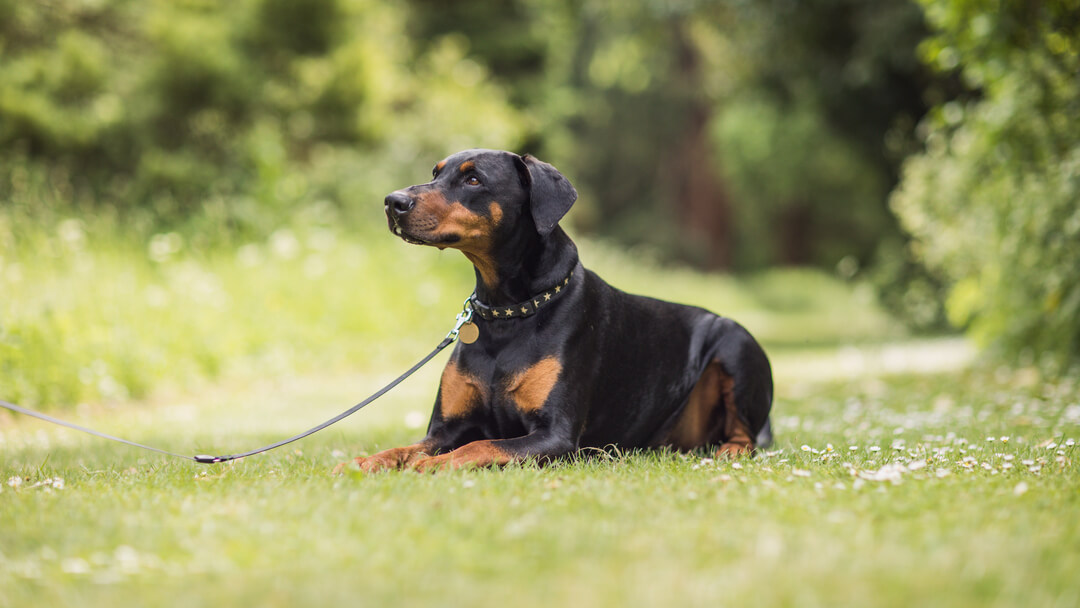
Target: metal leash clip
column 465, row 329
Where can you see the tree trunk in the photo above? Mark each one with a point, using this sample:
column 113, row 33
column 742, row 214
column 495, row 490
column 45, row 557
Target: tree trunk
column 700, row 198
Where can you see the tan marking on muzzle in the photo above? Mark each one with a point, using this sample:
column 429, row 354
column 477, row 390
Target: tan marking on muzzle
column 439, row 219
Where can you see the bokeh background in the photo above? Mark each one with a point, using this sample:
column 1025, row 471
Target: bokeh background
column 191, row 188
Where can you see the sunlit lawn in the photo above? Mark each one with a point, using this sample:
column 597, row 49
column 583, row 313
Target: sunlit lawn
column 901, row 476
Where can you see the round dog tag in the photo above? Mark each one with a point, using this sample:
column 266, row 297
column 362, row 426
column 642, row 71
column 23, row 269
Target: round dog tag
column 468, row 333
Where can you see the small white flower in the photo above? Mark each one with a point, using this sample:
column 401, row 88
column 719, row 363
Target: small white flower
column 75, row 565
column 736, row 465
column 1004, row 439
column 800, row 472
column 1070, row 442
column 889, row 472
column 991, row 439
column 1020, row 489
column 14, row 481
column 805, row 448
column 852, row 448
column 874, row 448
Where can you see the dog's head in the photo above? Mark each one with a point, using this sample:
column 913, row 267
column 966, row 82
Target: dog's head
column 478, row 199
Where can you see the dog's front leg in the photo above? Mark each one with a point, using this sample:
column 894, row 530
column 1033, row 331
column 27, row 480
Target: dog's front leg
column 394, row 458
column 542, row 444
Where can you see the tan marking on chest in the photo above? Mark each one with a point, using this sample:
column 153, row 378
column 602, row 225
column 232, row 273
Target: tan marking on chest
column 459, row 392
column 529, row 388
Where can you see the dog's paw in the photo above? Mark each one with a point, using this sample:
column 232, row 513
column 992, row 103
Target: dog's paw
column 432, row 463
column 370, row 464
column 735, row 450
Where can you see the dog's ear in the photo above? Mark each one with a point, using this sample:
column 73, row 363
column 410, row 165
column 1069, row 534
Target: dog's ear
column 550, row 193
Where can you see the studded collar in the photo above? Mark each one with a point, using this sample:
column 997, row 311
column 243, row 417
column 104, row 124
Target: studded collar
column 522, row 309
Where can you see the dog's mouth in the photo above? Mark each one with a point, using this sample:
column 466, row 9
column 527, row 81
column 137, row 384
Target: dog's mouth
column 405, row 236
column 397, row 230
column 440, row 241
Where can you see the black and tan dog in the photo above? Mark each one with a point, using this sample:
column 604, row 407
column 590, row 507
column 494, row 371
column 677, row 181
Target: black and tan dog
column 563, row 360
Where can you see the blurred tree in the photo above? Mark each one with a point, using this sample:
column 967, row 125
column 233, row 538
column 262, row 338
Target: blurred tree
column 174, row 107
column 813, row 135
column 646, row 92
column 994, row 201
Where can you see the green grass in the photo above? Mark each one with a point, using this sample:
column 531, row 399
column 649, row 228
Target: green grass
column 99, row 313
column 925, row 510
column 795, row 526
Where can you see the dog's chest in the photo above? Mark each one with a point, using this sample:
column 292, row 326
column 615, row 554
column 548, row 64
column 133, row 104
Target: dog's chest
column 511, row 386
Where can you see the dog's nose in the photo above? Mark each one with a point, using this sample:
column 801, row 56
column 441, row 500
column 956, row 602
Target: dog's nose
column 399, row 203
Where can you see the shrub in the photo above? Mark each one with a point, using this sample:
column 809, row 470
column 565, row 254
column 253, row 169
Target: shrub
column 994, row 201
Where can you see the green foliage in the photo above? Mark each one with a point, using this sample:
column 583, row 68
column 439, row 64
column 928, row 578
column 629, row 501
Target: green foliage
column 993, row 201
column 245, row 111
column 171, row 108
column 805, row 194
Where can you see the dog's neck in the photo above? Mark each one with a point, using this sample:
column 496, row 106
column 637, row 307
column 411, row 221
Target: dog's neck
column 527, row 269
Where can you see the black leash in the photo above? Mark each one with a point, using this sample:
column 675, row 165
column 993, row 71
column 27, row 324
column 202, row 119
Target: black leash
column 463, row 318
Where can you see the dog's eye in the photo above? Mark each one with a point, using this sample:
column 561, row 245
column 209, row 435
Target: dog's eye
column 472, row 180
